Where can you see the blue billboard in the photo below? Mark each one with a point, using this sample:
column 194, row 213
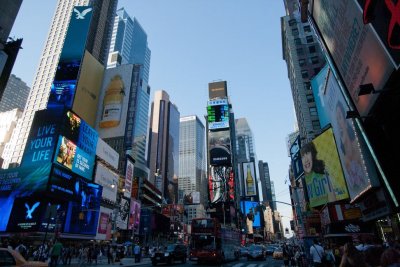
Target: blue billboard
column 63, row 89
column 63, row 184
column 69, row 155
column 255, row 208
column 319, row 86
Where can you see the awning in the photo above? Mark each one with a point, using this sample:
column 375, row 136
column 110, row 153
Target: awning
column 347, row 228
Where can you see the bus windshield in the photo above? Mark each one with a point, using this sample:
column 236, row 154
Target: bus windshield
column 203, row 242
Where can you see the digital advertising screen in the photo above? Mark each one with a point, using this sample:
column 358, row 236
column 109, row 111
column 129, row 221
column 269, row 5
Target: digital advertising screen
column 254, row 208
column 42, row 138
column 356, row 160
column 64, row 184
column 82, row 216
column 109, row 180
column 219, row 144
column 74, row 158
column 218, row 114
column 218, row 183
column 105, row 224
column 134, row 216
column 123, row 214
column 250, row 181
column 128, row 177
column 297, row 166
column 323, row 171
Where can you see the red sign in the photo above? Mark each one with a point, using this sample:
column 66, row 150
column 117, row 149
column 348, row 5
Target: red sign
column 103, row 222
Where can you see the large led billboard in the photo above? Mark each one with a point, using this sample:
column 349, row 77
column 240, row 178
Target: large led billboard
column 123, row 214
column 109, row 180
column 218, row 114
column 82, row 216
column 88, row 89
column 297, row 167
column 356, row 49
column 255, row 208
column 354, row 155
column 64, row 85
column 219, row 144
column 323, row 171
column 63, row 184
column 134, row 216
column 249, row 179
column 72, row 157
column 218, row 184
column 113, row 101
column 128, row 177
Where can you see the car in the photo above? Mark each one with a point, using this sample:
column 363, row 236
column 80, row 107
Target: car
column 256, row 252
column 10, row 257
column 270, row 249
column 278, row 254
column 170, row 254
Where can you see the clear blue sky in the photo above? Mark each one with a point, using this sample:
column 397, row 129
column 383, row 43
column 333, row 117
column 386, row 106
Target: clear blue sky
column 196, row 42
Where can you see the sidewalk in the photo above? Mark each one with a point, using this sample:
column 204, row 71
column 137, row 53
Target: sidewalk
column 103, row 263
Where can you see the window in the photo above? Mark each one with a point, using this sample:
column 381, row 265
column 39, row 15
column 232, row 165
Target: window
column 316, row 70
column 313, row 111
column 307, row 28
column 315, row 124
column 314, row 60
column 292, row 22
column 310, row 98
column 300, row 51
column 304, row 74
column 309, row 39
column 297, row 41
column 295, row 31
column 312, row 49
column 302, row 62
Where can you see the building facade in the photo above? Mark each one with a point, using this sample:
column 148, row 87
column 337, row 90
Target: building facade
column 98, row 40
column 8, row 122
column 15, row 94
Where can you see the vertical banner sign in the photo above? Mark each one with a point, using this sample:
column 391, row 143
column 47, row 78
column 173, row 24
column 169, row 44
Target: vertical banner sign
column 128, row 178
column 64, row 85
column 249, row 176
column 297, row 167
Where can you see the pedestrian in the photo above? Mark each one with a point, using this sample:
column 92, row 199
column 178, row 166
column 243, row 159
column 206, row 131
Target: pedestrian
column 55, row 253
column 137, row 251
column 329, row 257
column 110, row 257
column 317, row 253
column 352, row 257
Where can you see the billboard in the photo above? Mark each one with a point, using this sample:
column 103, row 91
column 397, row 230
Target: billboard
column 297, row 167
column 72, row 157
column 82, row 216
column 42, row 138
column 218, row 114
column 249, row 179
column 109, row 180
column 355, row 48
column 128, row 177
column 249, row 207
column 323, row 171
column 218, row 186
column 113, row 101
column 123, row 214
column 356, row 160
column 134, row 216
column 219, row 144
column 107, row 153
column 64, row 184
column 191, row 198
column 63, row 88
column 105, row 224
column 88, row 89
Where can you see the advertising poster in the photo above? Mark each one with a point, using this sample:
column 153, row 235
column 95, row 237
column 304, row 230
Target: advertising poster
column 88, row 89
column 128, row 177
column 123, row 214
column 83, row 215
column 74, row 158
column 42, row 138
column 323, row 171
column 191, row 198
column 220, row 148
column 297, row 166
column 109, row 180
column 64, row 85
column 374, row 206
column 355, row 158
column 80, row 133
column 356, row 49
column 319, row 85
column 113, row 101
column 134, row 216
column 107, row 153
column 252, row 209
column 218, row 114
column 105, row 224
column 64, row 184
column 218, row 183
column 249, row 176
column 20, row 182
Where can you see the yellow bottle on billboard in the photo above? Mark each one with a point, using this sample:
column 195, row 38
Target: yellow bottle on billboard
column 112, row 103
column 250, row 182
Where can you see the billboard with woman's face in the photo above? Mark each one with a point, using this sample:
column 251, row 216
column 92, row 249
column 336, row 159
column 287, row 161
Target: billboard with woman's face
column 322, row 169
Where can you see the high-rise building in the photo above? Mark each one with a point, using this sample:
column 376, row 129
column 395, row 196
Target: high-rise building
column 97, row 44
column 192, row 165
column 15, row 94
column 164, row 146
column 8, row 12
column 273, row 196
column 304, row 59
column 8, row 121
column 265, row 180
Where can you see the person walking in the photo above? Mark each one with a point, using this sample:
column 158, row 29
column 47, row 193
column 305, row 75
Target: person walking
column 55, row 253
column 137, row 251
column 352, row 257
column 317, row 253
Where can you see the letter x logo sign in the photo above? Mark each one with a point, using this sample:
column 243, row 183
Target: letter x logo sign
column 394, row 10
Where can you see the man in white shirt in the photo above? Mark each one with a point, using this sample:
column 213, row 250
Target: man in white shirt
column 316, row 252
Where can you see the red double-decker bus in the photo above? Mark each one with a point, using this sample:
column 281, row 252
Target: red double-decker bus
column 212, row 242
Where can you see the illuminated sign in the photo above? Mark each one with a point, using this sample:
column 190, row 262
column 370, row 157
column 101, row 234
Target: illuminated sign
column 220, row 184
column 64, row 184
column 220, row 148
column 249, row 176
column 128, row 177
column 218, row 114
column 250, row 207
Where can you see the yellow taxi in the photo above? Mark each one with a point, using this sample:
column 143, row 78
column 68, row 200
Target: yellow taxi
column 10, row 257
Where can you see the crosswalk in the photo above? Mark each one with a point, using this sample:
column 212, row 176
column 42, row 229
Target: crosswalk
column 251, row 264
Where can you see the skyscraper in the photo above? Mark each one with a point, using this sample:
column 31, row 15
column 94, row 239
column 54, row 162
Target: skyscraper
column 164, row 146
column 97, row 45
column 304, row 59
column 15, row 94
column 192, row 164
